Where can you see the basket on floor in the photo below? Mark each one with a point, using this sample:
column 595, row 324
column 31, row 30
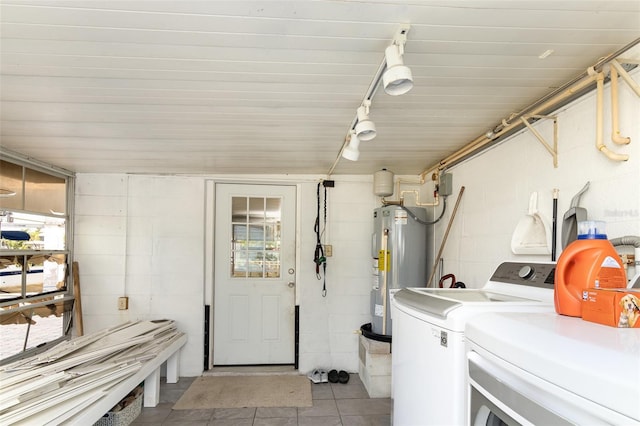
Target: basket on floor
column 125, row 412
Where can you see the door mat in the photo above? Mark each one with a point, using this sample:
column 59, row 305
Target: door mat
column 246, row 391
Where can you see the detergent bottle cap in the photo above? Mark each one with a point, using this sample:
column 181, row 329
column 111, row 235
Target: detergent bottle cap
column 591, row 230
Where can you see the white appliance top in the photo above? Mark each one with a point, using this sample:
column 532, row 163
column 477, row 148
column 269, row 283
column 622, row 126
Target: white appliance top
column 513, row 286
column 594, row 361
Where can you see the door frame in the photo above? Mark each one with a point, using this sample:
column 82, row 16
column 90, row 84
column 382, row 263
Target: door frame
column 209, row 256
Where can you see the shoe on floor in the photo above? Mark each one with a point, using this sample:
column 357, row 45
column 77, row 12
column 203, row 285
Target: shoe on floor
column 343, row 377
column 315, row 376
column 318, row 376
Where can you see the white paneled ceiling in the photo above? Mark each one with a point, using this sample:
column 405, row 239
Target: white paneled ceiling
column 272, row 87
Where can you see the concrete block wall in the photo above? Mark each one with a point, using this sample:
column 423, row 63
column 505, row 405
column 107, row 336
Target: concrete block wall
column 100, row 243
column 328, row 325
column 141, row 237
column 165, row 242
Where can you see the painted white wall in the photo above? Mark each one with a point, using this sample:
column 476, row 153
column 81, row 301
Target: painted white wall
column 499, row 182
column 143, row 236
column 328, row 324
column 100, row 242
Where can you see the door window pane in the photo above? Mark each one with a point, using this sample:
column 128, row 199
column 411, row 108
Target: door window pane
column 239, row 209
column 256, row 210
column 273, row 210
column 255, row 245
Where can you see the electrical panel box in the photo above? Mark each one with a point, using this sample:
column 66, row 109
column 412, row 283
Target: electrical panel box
column 446, row 184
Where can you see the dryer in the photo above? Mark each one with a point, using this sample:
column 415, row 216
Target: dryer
column 544, row 368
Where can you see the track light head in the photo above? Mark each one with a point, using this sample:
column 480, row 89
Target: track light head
column 351, row 152
column 397, row 79
column 365, row 128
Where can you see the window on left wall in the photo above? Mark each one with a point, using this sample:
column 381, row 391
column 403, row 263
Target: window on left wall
column 36, row 300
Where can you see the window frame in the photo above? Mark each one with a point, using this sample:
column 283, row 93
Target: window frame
column 65, row 295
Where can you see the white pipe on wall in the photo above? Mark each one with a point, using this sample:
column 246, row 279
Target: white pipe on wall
column 615, row 127
column 600, row 146
column 554, row 100
column 483, row 140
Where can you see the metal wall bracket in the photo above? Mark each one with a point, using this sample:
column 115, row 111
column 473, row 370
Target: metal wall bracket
column 624, row 74
column 552, row 150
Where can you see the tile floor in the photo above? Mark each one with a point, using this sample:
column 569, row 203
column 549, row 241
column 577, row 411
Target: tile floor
column 334, row 404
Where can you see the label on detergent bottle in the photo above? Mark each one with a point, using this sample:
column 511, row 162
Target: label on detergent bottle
column 610, row 262
column 609, row 276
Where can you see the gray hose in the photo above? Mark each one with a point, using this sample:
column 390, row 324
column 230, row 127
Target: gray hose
column 628, row 240
column 422, row 222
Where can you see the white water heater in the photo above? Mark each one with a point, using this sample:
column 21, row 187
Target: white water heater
column 399, row 251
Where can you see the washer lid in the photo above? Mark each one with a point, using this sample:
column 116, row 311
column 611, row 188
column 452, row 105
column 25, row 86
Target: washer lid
column 441, row 302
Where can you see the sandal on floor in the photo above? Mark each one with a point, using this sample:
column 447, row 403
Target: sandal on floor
column 315, row 376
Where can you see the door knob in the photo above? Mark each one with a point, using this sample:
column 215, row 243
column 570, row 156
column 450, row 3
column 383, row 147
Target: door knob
column 291, row 284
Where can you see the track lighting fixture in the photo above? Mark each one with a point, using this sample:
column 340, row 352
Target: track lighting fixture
column 397, row 79
column 365, row 128
column 351, row 152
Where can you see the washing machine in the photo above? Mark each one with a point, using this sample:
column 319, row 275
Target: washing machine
column 549, row 369
column 428, row 349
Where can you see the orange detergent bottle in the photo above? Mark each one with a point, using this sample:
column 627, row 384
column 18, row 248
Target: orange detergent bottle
column 591, row 261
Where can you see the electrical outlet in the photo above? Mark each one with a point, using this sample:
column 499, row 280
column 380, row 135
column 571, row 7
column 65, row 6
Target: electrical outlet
column 123, row 303
column 328, row 250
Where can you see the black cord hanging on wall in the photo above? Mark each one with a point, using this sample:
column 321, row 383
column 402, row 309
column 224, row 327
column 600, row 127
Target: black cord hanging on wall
column 319, row 257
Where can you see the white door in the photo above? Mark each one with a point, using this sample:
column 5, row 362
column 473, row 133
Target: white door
column 254, row 312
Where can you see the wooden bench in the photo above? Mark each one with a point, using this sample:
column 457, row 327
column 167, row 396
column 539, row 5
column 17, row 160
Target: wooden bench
column 149, row 373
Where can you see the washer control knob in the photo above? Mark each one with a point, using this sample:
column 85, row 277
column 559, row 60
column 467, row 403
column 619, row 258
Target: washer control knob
column 526, row 272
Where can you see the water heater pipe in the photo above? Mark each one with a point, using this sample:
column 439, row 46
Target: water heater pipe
column 385, row 237
column 436, row 197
